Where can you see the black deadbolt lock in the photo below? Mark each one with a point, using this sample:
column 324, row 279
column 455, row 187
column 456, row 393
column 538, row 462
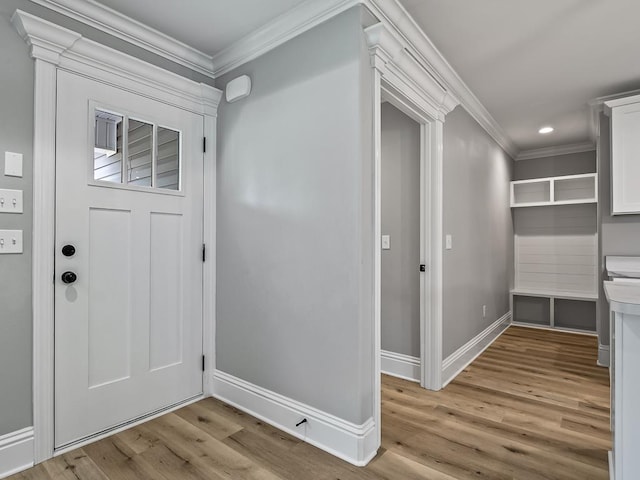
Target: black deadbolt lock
column 69, row 277
column 423, row 267
column 68, row 250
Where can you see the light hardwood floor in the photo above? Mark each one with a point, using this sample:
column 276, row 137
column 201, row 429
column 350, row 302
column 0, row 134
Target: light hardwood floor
column 533, row 406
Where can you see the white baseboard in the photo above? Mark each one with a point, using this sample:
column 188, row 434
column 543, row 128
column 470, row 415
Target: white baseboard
column 461, row 358
column 356, row 444
column 603, row 356
column 400, row 365
column 16, row 452
column 612, row 473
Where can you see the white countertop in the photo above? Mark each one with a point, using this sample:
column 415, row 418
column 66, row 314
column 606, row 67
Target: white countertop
column 623, row 297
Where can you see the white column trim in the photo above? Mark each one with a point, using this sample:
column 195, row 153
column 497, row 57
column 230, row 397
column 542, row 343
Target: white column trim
column 53, row 48
column 398, row 76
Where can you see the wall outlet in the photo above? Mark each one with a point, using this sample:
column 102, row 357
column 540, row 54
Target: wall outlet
column 484, row 311
column 11, row 201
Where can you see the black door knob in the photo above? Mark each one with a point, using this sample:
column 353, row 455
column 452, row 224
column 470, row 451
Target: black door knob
column 68, row 250
column 69, row 277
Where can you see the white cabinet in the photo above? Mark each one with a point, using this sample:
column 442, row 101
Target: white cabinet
column 624, row 302
column 625, row 154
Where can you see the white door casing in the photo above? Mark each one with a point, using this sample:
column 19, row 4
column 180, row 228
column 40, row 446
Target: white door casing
column 128, row 331
column 407, row 84
column 55, row 49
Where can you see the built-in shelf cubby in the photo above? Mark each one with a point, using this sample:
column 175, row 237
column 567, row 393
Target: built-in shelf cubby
column 555, row 252
column 566, row 190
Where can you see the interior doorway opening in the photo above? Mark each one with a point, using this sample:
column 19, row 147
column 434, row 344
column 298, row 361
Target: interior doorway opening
column 401, row 255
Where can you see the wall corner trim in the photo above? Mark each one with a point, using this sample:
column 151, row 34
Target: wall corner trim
column 401, row 366
column 461, row 358
column 16, row 451
column 353, row 443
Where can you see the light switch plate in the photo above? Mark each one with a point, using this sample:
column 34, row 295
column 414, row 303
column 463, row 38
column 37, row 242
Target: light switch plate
column 13, row 164
column 11, row 201
column 448, row 242
column 386, row 242
column 10, row 241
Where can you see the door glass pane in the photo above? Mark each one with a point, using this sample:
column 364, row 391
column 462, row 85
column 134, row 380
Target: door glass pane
column 139, row 148
column 168, row 175
column 107, row 150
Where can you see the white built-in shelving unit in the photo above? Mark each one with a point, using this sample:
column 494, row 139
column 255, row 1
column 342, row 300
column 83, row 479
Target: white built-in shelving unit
column 566, row 190
column 556, row 252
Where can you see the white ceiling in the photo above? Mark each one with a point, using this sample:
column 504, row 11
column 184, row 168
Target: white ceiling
column 208, row 25
column 536, row 63
column 531, row 63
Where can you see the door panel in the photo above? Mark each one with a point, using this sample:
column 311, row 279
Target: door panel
column 128, row 331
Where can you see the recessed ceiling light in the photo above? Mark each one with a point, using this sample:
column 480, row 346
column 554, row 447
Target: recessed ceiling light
column 545, row 130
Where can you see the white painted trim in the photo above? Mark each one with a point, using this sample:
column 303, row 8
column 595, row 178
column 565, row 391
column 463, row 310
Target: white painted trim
column 290, row 24
column 394, row 15
column 556, row 151
column 351, row 442
column 400, row 365
column 126, row 426
column 377, row 254
column 16, row 451
column 549, row 328
column 70, row 51
column 399, row 77
column 285, row 27
column 604, row 355
column 209, row 274
column 125, row 28
column 43, row 238
column 53, row 48
column 465, row 355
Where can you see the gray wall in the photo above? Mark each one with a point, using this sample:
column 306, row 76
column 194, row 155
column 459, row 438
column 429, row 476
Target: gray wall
column 573, row 164
column 400, row 317
column 16, row 135
column 478, row 270
column 294, row 254
column 620, row 234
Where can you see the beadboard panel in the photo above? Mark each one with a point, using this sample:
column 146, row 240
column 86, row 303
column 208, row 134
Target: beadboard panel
column 556, row 248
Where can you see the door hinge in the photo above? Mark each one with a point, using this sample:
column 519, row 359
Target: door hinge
column 203, row 363
column 423, row 267
column 204, row 252
column 204, row 144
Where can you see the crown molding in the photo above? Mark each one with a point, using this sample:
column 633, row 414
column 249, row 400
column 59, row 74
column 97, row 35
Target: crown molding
column 69, row 50
column 555, row 151
column 597, row 106
column 289, row 25
column 114, row 23
column 285, row 27
column 416, row 41
column 404, row 73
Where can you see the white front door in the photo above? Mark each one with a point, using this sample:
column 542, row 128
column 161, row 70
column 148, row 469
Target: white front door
column 129, row 230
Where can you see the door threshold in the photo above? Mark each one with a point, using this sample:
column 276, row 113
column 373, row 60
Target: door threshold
column 126, row 425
